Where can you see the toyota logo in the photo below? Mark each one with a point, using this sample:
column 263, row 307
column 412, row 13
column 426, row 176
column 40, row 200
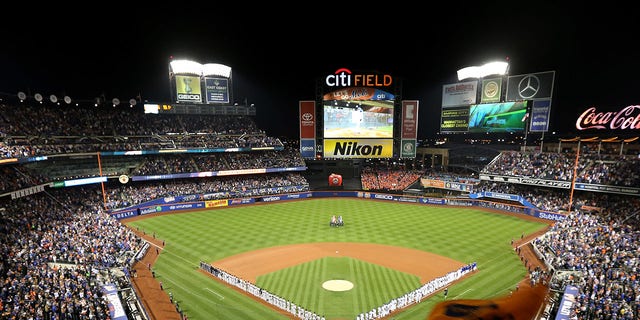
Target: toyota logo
column 529, row 86
column 307, row 116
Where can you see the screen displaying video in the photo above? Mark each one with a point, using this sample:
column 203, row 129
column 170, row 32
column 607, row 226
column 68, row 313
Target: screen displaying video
column 358, row 119
column 498, row 117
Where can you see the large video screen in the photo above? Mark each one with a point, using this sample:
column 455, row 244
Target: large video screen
column 358, row 112
column 487, row 117
column 358, row 119
column 498, row 117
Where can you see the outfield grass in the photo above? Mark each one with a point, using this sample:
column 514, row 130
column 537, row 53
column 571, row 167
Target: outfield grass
column 463, row 234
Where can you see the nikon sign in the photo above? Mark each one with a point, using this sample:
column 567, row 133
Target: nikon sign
column 358, row 148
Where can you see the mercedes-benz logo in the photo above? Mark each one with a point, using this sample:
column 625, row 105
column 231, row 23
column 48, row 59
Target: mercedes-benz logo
column 307, row 116
column 529, row 86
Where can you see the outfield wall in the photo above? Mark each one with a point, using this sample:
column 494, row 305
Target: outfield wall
column 183, row 203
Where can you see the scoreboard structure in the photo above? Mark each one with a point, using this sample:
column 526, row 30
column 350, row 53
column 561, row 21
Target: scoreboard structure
column 507, row 104
column 195, row 83
column 358, row 115
column 200, row 89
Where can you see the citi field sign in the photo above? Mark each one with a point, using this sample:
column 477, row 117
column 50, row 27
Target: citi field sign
column 628, row 118
column 343, row 77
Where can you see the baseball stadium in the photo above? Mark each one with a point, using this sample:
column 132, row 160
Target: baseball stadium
column 187, row 209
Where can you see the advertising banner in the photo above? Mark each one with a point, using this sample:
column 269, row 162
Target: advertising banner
column 568, row 303
column 608, row 189
column 408, row 148
column 307, row 129
column 627, row 118
column 409, row 119
column 454, row 120
column 432, row 200
column 432, row 183
column 532, row 86
column 308, row 148
column 116, row 311
column 124, row 214
column 409, row 127
column 358, row 93
column 358, row 148
column 527, row 181
column 459, row 94
column 217, row 90
column 307, row 119
column 188, row 89
column 452, row 185
column 234, row 202
column 540, row 115
column 215, row 203
column 491, row 90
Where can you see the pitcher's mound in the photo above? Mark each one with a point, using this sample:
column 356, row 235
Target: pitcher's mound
column 338, row 285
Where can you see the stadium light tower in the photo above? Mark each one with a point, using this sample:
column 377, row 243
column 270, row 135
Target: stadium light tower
column 487, row 69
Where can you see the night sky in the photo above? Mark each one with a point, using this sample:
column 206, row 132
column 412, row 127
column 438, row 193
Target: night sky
column 278, row 57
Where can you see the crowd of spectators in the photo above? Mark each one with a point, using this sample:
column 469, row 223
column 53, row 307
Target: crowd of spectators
column 55, row 248
column 29, row 131
column 121, row 196
column 56, row 252
column 620, row 170
column 605, row 253
column 388, row 178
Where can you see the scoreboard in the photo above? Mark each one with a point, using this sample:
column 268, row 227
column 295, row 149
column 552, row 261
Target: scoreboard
column 188, row 108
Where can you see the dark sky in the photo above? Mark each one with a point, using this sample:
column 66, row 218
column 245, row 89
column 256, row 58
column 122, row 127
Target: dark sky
column 278, row 55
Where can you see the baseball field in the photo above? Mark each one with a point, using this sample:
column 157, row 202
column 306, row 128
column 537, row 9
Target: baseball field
column 384, row 250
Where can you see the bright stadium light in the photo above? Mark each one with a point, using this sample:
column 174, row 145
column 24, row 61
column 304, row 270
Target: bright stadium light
column 491, row 68
column 186, row 67
column 216, row 69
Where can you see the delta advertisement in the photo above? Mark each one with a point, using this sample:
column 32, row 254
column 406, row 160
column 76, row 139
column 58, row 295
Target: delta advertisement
column 188, row 89
column 358, row 148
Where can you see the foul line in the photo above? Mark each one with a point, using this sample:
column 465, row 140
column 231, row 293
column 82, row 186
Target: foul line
column 463, row 292
column 217, row 294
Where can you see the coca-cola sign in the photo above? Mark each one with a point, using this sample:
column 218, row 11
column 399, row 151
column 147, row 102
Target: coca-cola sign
column 626, row 119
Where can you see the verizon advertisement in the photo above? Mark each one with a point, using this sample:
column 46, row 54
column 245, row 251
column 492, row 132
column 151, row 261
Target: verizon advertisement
column 307, row 128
